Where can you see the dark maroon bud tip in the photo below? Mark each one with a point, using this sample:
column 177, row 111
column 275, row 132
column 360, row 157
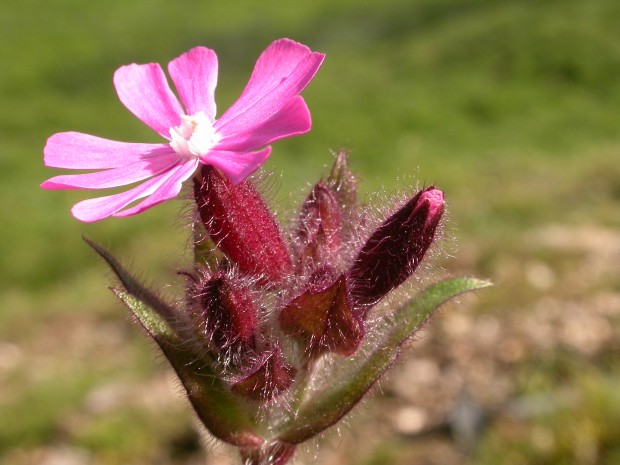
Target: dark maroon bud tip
column 223, row 308
column 342, row 181
column 396, row 248
column 320, row 226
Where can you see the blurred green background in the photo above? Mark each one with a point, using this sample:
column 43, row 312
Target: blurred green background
column 512, row 107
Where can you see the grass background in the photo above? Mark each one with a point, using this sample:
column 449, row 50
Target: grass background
column 510, row 106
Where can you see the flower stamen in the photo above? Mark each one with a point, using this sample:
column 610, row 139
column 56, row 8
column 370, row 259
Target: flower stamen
column 194, row 137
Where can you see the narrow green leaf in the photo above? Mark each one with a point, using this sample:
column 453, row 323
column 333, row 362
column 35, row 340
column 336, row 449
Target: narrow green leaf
column 322, row 408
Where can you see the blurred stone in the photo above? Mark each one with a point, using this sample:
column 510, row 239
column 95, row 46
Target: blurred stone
column 487, row 331
column 10, row 356
column 511, row 350
column 586, row 332
column 456, row 324
column 107, row 397
column 414, row 375
column 608, row 303
column 539, row 275
column 152, row 394
column 65, row 455
column 588, row 238
column 410, row 420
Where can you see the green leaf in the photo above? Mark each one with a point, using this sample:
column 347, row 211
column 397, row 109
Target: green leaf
column 323, row 407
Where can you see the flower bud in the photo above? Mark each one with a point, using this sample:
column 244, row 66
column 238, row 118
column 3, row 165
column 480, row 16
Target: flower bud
column 267, row 379
column 395, row 249
column 241, row 225
column 320, row 225
column 342, row 181
column 223, row 309
column 322, row 318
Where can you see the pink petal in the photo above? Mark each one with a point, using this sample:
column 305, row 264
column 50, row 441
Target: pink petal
column 237, row 166
column 282, row 71
column 167, row 190
column 83, row 151
column 102, row 207
column 144, row 90
column 292, row 119
column 195, row 76
column 115, row 177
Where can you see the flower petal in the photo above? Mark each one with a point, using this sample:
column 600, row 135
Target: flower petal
column 82, row 151
column 292, row 119
column 282, row 71
column 195, row 76
column 144, row 90
column 166, row 190
column 102, row 207
column 115, row 177
column 237, row 166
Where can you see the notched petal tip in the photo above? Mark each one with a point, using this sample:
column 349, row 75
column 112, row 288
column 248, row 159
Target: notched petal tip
column 194, row 74
column 281, row 72
column 289, row 46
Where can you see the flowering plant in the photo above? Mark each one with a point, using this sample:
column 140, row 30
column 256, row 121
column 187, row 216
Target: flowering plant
column 279, row 335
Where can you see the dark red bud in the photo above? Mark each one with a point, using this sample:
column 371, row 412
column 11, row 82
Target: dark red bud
column 322, row 318
column 320, row 225
column 267, row 379
column 396, row 248
column 225, row 312
column 241, row 225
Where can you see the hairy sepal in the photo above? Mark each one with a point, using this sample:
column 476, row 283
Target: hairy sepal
column 239, row 222
column 322, row 320
column 223, row 414
column 321, row 408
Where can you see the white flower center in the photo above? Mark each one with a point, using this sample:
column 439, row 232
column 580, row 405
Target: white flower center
column 194, row 137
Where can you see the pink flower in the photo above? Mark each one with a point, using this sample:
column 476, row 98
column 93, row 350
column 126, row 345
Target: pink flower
column 269, row 109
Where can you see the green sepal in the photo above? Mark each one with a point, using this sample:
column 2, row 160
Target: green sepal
column 206, row 252
column 222, row 413
column 150, row 320
column 322, row 407
column 225, row 415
